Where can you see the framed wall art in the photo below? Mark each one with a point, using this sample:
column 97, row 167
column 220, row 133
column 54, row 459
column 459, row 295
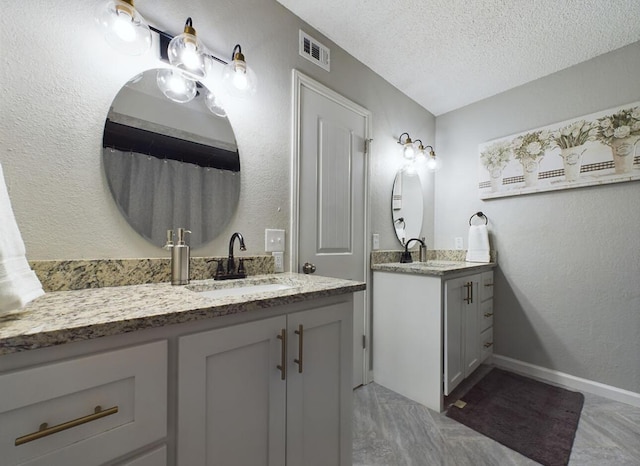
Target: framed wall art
column 600, row 148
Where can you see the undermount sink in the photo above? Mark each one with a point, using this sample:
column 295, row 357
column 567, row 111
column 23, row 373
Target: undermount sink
column 241, row 287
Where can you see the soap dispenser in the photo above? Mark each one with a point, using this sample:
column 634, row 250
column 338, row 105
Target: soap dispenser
column 180, row 260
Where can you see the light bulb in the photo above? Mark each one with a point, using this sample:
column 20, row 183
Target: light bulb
column 175, row 86
column 433, row 162
column 239, row 79
column 409, row 152
column 188, row 54
column 123, row 27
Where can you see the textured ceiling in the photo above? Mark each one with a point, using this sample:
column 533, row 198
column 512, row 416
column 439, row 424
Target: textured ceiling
column 446, row 54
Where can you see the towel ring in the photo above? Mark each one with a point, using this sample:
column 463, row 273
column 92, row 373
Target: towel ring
column 481, row 215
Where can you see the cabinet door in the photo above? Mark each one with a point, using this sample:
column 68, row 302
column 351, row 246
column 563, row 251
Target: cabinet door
column 455, row 292
column 231, row 396
column 319, row 391
column 461, row 331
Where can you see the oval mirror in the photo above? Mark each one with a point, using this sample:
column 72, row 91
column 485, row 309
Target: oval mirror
column 407, row 205
column 170, row 164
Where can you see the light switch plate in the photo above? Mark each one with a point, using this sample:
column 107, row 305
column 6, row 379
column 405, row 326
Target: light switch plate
column 376, row 242
column 273, row 240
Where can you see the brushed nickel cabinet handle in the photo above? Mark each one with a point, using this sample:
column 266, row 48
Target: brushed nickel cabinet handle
column 488, row 284
column 471, row 288
column 283, row 356
column 45, row 430
column 300, row 333
column 488, row 314
column 488, row 344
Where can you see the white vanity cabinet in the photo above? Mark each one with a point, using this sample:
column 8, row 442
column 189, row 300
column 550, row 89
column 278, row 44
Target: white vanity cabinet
column 274, row 392
column 429, row 331
column 96, row 407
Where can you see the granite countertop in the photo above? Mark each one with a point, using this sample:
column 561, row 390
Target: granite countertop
column 67, row 316
column 440, row 268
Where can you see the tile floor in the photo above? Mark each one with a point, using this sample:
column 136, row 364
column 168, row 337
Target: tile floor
column 390, row 430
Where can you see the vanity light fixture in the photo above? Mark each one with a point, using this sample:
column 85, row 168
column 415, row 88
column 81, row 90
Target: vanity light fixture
column 408, row 151
column 128, row 32
column 123, row 27
column 237, row 76
column 188, row 54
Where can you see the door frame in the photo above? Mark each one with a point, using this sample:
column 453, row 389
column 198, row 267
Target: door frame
column 300, row 80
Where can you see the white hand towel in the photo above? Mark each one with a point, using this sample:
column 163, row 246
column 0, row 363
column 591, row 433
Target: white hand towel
column 18, row 284
column 478, row 244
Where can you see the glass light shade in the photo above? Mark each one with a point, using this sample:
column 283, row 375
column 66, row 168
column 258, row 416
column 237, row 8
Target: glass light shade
column 188, row 54
column 175, row 86
column 408, row 151
column 239, row 78
column 421, row 156
column 123, row 27
column 214, row 105
column 433, row 163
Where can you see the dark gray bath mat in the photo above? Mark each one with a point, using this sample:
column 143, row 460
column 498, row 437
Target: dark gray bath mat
column 533, row 418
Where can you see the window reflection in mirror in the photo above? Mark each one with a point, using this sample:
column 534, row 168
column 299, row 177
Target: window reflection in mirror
column 170, row 165
column 407, row 205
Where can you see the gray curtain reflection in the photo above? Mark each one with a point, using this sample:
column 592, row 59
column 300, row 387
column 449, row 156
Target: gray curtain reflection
column 156, row 195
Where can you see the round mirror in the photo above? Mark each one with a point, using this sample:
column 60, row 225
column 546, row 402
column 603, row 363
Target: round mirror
column 407, row 205
column 171, row 164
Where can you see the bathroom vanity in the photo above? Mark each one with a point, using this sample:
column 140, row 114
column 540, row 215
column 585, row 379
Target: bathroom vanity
column 208, row 373
column 432, row 326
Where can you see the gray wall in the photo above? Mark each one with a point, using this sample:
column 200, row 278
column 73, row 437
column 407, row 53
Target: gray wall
column 568, row 282
column 60, row 77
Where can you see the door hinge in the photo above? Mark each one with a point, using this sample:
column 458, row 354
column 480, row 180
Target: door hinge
column 367, row 146
column 364, row 342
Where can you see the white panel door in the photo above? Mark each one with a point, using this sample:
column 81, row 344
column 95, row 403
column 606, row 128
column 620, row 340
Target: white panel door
column 332, row 197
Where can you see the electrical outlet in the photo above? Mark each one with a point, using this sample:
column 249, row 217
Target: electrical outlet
column 459, row 243
column 278, row 262
column 376, row 242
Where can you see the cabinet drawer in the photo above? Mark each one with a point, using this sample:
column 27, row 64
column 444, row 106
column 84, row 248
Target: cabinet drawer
column 486, row 344
column 96, row 408
column 485, row 318
column 486, row 285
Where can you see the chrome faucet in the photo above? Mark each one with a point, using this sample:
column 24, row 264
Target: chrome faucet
column 405, row 258
column 230, row 261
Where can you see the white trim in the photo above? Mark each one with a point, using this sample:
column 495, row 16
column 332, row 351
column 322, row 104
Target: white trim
column 567, row 380
column 300, row 80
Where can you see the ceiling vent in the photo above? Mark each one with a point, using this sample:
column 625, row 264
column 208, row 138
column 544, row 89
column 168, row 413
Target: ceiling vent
column 314, row 51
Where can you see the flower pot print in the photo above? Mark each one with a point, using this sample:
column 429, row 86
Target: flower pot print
column 530, row 172
column 572, row 159
column 496, row 179
column 623, row 153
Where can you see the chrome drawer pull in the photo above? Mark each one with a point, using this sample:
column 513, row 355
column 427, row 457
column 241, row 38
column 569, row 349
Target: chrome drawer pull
column 488, row 344
column 45, row 430
column 488, row 314
column 488, row 284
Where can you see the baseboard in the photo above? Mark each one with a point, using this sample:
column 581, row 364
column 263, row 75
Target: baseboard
column 566, row 380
